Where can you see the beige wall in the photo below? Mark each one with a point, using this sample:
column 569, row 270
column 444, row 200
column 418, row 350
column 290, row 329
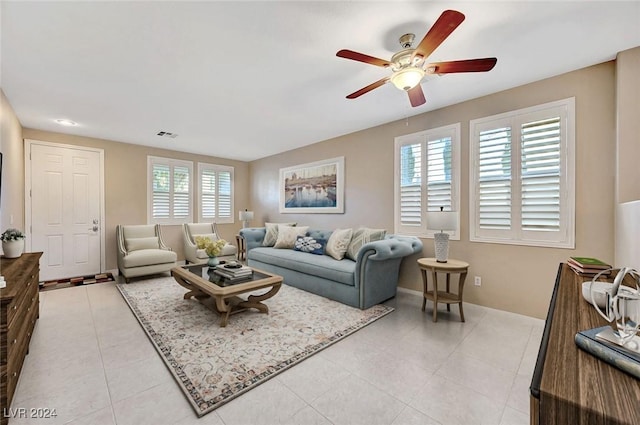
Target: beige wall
column 628, row 112
column 126, row 186
column 627, row 247
column 514, row 278
column 12, row 202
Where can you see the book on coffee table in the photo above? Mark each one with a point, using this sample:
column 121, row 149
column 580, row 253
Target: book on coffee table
column 233, row 273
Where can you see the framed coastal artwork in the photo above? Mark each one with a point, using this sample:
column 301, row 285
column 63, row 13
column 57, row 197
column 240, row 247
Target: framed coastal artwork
column 316, row 187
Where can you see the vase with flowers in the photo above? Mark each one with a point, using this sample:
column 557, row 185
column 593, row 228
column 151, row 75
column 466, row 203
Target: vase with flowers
column 12, row 243
column 212, row 248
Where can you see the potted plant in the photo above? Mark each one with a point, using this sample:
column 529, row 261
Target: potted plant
column 12, row 243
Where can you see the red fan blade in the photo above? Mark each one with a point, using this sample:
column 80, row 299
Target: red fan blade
column 468, row 65
column 361, row 57
column 444, row 26
column 416, row 96
column 368, row 88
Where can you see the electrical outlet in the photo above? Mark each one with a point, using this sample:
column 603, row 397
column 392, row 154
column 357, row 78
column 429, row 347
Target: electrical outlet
column 477, row 281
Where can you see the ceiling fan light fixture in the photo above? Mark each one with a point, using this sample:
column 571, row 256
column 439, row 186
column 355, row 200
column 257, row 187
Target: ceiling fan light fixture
column 407, row 78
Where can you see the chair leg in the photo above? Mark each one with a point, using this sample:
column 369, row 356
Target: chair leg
column 461, row 312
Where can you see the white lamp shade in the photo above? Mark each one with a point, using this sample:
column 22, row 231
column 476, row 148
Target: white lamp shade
column 442, row 220
column 245, row 215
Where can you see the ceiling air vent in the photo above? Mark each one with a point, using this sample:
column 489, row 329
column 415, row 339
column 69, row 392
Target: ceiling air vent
column 167, row 134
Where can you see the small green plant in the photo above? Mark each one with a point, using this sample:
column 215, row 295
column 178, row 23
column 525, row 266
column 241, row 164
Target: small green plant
column 12, row 235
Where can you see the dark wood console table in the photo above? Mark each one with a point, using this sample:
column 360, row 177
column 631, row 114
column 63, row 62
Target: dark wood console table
column 19, row 303
column 570, row 386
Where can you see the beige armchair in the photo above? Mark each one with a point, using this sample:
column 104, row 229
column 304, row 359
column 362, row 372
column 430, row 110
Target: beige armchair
column 141, row 251
column 191, row 252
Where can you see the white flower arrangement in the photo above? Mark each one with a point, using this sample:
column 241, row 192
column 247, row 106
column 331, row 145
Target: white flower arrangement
column 212, row 248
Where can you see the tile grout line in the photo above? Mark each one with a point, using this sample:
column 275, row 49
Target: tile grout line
column 104, row 370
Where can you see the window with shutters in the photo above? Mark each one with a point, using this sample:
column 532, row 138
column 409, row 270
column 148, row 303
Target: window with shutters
column 427, row 177
column 522, row 176
column 169, row 190
column 215, row 193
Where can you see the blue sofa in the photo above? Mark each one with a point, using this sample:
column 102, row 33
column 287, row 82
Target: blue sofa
column 370, row 280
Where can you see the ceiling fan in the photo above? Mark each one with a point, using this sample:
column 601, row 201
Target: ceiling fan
column 410, row 65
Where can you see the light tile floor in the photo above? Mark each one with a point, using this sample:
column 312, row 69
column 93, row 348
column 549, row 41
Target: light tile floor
column 90, row 360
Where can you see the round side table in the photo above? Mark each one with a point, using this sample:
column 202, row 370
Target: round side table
column 447, row 297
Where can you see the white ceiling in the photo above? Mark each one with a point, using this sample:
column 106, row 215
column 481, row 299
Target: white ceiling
column 245, row 80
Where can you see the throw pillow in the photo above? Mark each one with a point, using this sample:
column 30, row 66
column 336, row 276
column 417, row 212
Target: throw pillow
column 287, row 236
column 310, row 245
column 338, row 243
column 362, row 236
column 271, row 236
column 135, row 244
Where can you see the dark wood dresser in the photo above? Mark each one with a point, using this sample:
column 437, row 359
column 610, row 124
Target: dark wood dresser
column 570, row 386
column 18, row 314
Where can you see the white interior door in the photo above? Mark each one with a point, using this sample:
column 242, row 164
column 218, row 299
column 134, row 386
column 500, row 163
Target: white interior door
column 65, row 210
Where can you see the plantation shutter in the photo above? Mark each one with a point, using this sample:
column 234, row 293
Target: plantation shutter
column 169, row 190
column 208, row 194
column 411, row 184
column 181, row 195
column 523, row 176
column 439, row 190
column 427, row 174
column 216, row 193
column 161, row 196
column 494, row 179
column 224, row 195
column 540, row 173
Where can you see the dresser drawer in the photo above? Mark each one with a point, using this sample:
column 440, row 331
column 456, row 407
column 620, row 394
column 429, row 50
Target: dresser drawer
column 30, row 290
column 23, row 326
column 13, row 371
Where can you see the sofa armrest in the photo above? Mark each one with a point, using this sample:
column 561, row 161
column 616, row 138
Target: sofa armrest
column 392, row 246
column 378, row 267
column 253, row 236
column 161, row 242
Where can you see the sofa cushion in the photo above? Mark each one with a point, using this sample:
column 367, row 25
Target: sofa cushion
column 271, row 236
column 287, row 236
column 149, row 257
column 135, row 244
column 318, row 265
column 338, row 243
column 310, row 245
column 362, row 236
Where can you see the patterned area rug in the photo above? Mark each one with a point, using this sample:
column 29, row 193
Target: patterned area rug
column 213, row 365
column 76, row 281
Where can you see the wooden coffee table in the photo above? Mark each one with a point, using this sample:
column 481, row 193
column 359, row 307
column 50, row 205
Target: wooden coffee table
column 223, row 297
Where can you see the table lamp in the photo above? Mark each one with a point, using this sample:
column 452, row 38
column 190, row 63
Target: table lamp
column 442, row 220
column 245, row 216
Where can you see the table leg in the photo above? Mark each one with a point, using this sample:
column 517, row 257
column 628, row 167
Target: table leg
column 255, row 301
column 448, row 291
column 424, row 291
column 463, row 276
column 435, row 295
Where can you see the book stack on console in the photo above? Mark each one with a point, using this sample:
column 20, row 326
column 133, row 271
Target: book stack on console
column 587, row 266
column 233, row 273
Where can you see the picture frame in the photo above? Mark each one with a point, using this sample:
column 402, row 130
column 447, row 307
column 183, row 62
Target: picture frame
column 315, row 187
